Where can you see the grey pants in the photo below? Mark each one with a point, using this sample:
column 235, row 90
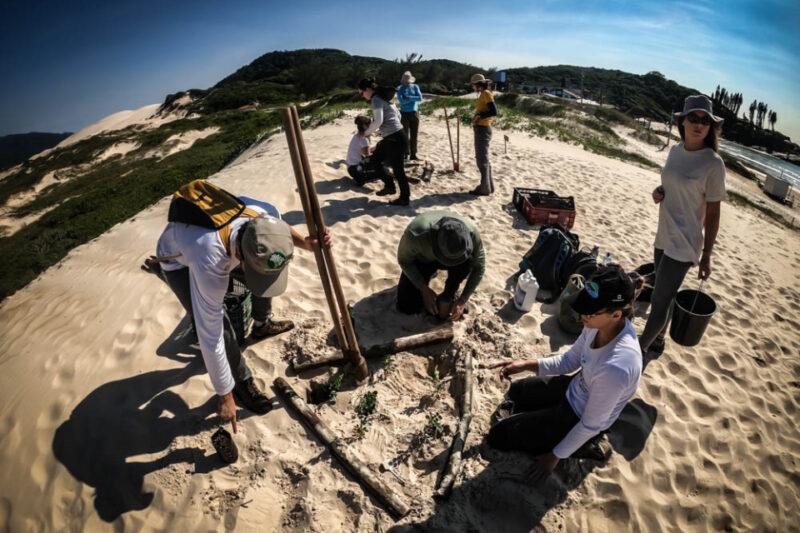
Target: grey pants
column 178, row 281
column 483, row 136
column 669, row 277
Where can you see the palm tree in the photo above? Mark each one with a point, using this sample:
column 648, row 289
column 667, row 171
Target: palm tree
column 773, row 118
column 752, row 108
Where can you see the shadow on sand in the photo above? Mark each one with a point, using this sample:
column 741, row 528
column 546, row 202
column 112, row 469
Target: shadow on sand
column 138, row 415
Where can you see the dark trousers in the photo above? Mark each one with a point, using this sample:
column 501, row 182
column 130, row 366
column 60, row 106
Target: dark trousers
column 178, row 281
column 363, row 173
column 669, row 277
column 540, row 416
column 409, row 297
column 410, row 122
column 390, row 150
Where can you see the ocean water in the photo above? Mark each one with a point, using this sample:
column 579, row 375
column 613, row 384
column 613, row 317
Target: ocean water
column 763, row 162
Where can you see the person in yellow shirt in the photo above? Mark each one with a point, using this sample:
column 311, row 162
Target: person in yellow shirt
column 485, row 110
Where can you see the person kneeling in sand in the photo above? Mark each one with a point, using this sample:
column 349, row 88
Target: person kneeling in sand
column 433, row 241
column 554, row 419
column 197, row 263
column 359, row 166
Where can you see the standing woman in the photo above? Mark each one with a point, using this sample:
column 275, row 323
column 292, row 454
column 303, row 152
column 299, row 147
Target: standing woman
column 391, row 148
column 409, row 96
column 485, row 109
column 692, row 188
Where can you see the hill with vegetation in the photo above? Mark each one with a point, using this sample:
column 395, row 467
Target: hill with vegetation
column 76, row 193
column 16, row 148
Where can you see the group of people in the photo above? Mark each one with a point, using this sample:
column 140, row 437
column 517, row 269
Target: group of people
column 552, row 419
column 399, row 130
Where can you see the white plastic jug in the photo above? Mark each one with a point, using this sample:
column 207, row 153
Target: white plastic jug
column 525, row 294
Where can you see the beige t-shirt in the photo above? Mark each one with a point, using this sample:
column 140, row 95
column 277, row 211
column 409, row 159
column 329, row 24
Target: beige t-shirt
column 690, row 180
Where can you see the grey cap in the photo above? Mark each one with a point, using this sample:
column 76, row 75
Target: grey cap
column 699, row 102
column 453, row 243
column 267, row 248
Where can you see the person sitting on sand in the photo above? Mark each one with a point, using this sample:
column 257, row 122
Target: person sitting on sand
column 197, row 264
column 689, row 197
column 409, row 96
column 433, row 241
column 554, row 419
column 485, row 109
column 391, row 148
column 359, row 165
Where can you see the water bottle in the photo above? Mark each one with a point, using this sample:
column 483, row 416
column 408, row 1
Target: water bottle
column 525, row 294
column 607, row 260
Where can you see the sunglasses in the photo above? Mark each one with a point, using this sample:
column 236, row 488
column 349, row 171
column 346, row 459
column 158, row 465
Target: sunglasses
column 694, row 118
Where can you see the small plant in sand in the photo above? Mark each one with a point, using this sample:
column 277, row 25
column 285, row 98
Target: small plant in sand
column 364, row 408
column 434, row 428
column 436, row 379
column 334, row 385
column 388, row 364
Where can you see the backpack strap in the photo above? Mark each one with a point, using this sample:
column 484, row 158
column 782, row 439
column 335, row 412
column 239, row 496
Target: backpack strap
column 226, row 230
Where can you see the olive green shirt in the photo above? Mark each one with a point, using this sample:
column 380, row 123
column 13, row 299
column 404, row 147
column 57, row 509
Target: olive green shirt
column 417, row 242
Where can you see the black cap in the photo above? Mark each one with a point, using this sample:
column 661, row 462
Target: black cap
column 453, row 243
column 608, row 288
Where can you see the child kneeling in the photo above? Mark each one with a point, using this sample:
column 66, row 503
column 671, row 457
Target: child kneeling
column 553, row 419
column 358, row 164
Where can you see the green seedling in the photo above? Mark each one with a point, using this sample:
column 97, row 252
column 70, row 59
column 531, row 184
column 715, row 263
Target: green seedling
column 364, row 408
column 434, row 427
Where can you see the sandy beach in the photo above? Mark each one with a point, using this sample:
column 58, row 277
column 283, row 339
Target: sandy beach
column 106, row 412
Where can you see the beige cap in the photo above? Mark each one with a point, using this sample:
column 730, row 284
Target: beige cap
column 267, row 248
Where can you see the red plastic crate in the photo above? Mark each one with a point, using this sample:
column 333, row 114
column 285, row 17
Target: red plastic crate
column 540, row 207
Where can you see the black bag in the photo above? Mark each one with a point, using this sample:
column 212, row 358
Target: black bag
column 581, row 262
column 554, row 246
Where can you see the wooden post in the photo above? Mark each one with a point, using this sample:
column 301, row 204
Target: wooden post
column 457, row 167
column 384, row 494
column 450, row 138
column 453, row 465
column 323, row 254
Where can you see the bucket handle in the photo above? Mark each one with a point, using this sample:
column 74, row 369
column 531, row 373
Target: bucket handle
column 699, row 290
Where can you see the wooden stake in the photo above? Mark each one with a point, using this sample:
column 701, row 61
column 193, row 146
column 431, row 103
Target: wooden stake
column 450, row 138
column 457, row 166
column 454, row 462
column 384, row 494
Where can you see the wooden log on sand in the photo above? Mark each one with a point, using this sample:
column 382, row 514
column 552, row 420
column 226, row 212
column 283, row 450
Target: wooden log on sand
column 454, row 462
column 382, row 492
column 401, row 344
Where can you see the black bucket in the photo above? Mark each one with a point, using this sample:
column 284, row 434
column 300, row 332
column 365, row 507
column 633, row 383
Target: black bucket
column 648, row 272
column 690, row 316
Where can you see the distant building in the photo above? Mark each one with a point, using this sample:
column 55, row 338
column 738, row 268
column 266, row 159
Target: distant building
column 500, row 80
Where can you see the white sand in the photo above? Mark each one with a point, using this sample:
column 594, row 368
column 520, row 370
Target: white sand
column 80, row 346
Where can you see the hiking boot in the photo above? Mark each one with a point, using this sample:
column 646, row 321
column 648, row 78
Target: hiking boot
column 386, row 191
column 400, row 202
column 478, row 192
column 271, row 328
column 248, row 394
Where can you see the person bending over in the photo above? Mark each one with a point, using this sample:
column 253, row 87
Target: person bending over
column 433, row 241
column 359, row 166
column 390, row 149
column 554, row 419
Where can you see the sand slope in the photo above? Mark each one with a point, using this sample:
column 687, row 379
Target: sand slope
column 103, row 405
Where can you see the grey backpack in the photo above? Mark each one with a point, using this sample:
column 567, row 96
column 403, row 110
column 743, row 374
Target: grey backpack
column 569, row 320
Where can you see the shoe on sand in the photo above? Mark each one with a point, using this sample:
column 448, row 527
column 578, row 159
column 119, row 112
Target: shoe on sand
column 248, row 394
column 226, row 448
column 271, row 328
column 400, row 202
column 478, row 192
column 386, row 191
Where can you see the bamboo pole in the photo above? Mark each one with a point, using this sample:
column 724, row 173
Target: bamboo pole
column 289, row 128
column 457, row 167
column 385, row 494
column 354, row 353
column 401, row 344
column 450, row 138
column 454, row 462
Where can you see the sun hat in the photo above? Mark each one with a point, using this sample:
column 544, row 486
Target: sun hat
column 267, row 248
column 698, row 102
column 478, row 78
column 407, row 77
column 609, row 287
column 453, row 242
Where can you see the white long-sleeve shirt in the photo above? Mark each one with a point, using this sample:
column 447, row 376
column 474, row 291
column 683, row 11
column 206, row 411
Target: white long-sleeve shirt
column 608, row 379
column 203, row 252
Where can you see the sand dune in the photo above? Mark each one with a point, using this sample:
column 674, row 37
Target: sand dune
column 103, row 419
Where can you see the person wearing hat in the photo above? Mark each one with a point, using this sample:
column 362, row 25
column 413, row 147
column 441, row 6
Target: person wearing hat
column 197, row 264
column 689, row 199
column 433, row 241
column 409, row 96
column 565, row 415
column 392, row 147
column 485, row 109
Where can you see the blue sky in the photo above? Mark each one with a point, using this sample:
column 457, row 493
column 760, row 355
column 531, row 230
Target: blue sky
column 64, row 65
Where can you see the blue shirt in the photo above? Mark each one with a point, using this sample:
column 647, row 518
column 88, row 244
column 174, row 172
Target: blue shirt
column 409, row 97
